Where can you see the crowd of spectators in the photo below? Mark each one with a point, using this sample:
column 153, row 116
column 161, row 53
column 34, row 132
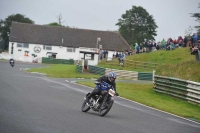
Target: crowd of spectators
column 193, row 42
column 103, row 54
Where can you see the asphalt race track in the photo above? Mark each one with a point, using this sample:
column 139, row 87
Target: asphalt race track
column 34, row 103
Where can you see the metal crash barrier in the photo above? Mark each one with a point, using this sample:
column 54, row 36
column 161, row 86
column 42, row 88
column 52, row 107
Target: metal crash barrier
column 121, row 74
column 184, row 89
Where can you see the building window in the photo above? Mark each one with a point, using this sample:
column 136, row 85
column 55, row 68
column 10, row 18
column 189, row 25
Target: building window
column 47, row 47
column 71, row 50
column 19, row 45
column 89, row 56
column 26, row 45
column 22, row 45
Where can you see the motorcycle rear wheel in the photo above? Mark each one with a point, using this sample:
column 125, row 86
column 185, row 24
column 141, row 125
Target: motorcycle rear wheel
column 104, row 111
column 85, row 107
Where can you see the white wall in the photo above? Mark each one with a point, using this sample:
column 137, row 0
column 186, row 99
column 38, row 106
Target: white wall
column 95, row 62
column 110, row 55
column 61, row 52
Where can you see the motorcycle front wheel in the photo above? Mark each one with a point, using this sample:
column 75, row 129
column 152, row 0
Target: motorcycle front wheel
column 85, row 107
column 105, row 108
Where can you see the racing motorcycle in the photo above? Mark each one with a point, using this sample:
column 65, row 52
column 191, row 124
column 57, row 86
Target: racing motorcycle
column 100, row 103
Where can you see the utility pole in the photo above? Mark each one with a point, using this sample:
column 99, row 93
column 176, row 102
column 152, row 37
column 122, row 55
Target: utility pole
column 59, row 19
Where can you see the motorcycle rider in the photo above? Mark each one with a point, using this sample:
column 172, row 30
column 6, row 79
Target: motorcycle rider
column 110, row 80
column 12, row 61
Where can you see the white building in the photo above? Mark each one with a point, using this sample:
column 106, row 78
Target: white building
column 29, row 40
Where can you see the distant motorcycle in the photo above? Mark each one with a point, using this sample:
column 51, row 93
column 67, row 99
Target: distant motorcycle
column 100, row 103
column 12, row 63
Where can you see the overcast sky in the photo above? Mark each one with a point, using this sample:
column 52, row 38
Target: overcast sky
column 171, row 16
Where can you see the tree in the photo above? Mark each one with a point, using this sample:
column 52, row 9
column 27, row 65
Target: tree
column 6, row 24
column 136, row 25
column 197, row 16
column 54, row 24
column 189, row 31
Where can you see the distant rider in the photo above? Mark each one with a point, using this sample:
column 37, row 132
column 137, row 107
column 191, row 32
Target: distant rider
column 12, row 61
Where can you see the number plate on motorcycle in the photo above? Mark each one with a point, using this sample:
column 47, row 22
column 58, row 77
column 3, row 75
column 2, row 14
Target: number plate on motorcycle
column 111, row 92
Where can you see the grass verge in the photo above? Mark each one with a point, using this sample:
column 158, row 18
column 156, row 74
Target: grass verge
column 178, row 63
column 62, row 71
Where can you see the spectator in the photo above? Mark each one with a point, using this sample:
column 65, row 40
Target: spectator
column 144, row 49
column 136, row 48
column 150, row 46
column 101, row 54
column 175, row 42
column 117, row 55
column 129, row 52
column 153, row 45
column 180, row 41
column 198, row 37
column 169, row 40
column 196, row 51
column 185, row 41
column 189, row 41
column 159, row 44
column 140, row 48
column 157, row 47
column 163, row 43
column 104, row 54
column 126, row 52
column 172, row 46
column 194, row 39
column 168, row 43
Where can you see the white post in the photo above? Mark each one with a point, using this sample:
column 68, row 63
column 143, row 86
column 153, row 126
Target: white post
column 82, row 65
column 98, row 39
column 97, row 44
column 153, row 75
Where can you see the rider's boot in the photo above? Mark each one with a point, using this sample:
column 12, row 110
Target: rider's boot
column 94, row 92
